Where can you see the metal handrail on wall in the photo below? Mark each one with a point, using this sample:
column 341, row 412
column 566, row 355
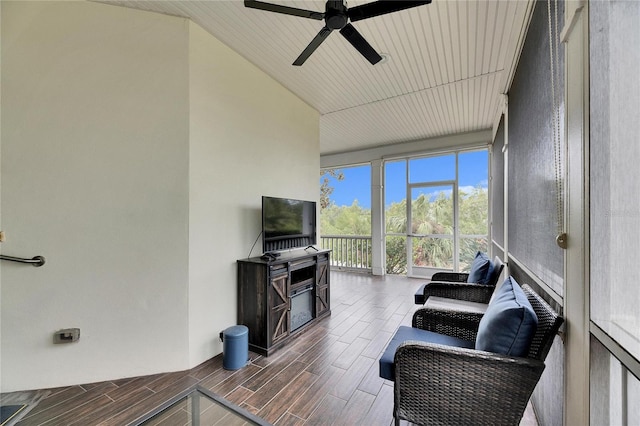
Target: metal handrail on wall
column 35, row 261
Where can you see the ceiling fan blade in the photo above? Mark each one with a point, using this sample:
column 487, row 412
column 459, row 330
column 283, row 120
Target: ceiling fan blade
column 284, row 9
column 378, row 8
column 317, row 40
column 355, row 38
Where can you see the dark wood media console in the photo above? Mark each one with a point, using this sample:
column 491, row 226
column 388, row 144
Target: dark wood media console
column 280, row 298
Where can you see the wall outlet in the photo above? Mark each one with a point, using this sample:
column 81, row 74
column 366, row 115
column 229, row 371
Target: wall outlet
column 66, row 335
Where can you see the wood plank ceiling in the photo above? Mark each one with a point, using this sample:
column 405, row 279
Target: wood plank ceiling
column 449, row 62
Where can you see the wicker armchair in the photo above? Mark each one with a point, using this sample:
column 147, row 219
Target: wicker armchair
column 454, row 285
column 436, row 384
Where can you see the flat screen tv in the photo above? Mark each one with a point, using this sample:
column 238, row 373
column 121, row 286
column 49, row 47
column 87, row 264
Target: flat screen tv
column 287, row 223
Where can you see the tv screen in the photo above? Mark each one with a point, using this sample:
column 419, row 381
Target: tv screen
column 287, row 223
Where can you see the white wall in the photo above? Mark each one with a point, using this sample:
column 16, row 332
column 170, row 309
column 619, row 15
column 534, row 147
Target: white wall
column 249, row 137
column 95, row 178
column 0, row 199
column 140, row 227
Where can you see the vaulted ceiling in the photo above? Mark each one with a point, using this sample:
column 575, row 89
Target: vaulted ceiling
column 448, row 64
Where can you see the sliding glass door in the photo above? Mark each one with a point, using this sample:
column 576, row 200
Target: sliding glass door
column 430, row 240
column 445, row 220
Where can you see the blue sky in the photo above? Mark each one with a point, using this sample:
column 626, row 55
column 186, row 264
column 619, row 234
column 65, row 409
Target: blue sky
column 357, row 182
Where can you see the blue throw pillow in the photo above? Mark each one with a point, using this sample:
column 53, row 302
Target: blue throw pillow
column 480, row 269
column 509, row 324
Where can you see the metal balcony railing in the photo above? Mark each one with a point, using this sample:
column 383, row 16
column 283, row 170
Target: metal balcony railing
column 348, row 252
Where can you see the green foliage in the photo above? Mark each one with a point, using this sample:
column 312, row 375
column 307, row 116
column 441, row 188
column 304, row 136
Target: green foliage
column 468, row 249
column 345, row 220
column 325, row 189
column 396, row 255
column 473, row 211
column 433, row 252
column 430, row 215
column 396, row 218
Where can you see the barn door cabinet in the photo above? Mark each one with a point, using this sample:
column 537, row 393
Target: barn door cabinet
column 279, row 299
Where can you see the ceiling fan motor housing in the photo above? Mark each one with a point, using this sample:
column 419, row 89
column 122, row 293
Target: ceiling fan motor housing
column 336, row 15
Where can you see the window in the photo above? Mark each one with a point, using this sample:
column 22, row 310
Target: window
column 436, row 212
column 615, row 211
column 345, row 215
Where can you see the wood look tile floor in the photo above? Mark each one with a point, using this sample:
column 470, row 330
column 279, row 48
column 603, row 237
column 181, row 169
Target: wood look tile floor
column 328, row 375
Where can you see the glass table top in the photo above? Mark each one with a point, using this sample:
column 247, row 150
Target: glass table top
column 200, row 407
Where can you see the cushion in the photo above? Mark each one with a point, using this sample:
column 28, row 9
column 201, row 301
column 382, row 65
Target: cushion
column 418, row 297
column 480, row 269
column 446, row 304
column 404, row 333
column 509, row 324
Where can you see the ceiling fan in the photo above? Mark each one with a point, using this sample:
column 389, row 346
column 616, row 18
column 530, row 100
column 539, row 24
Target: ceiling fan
column 336, row 17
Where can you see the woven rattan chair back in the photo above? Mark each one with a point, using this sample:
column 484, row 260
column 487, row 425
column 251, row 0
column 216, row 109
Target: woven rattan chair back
column 498, row 266
column 549, row 323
